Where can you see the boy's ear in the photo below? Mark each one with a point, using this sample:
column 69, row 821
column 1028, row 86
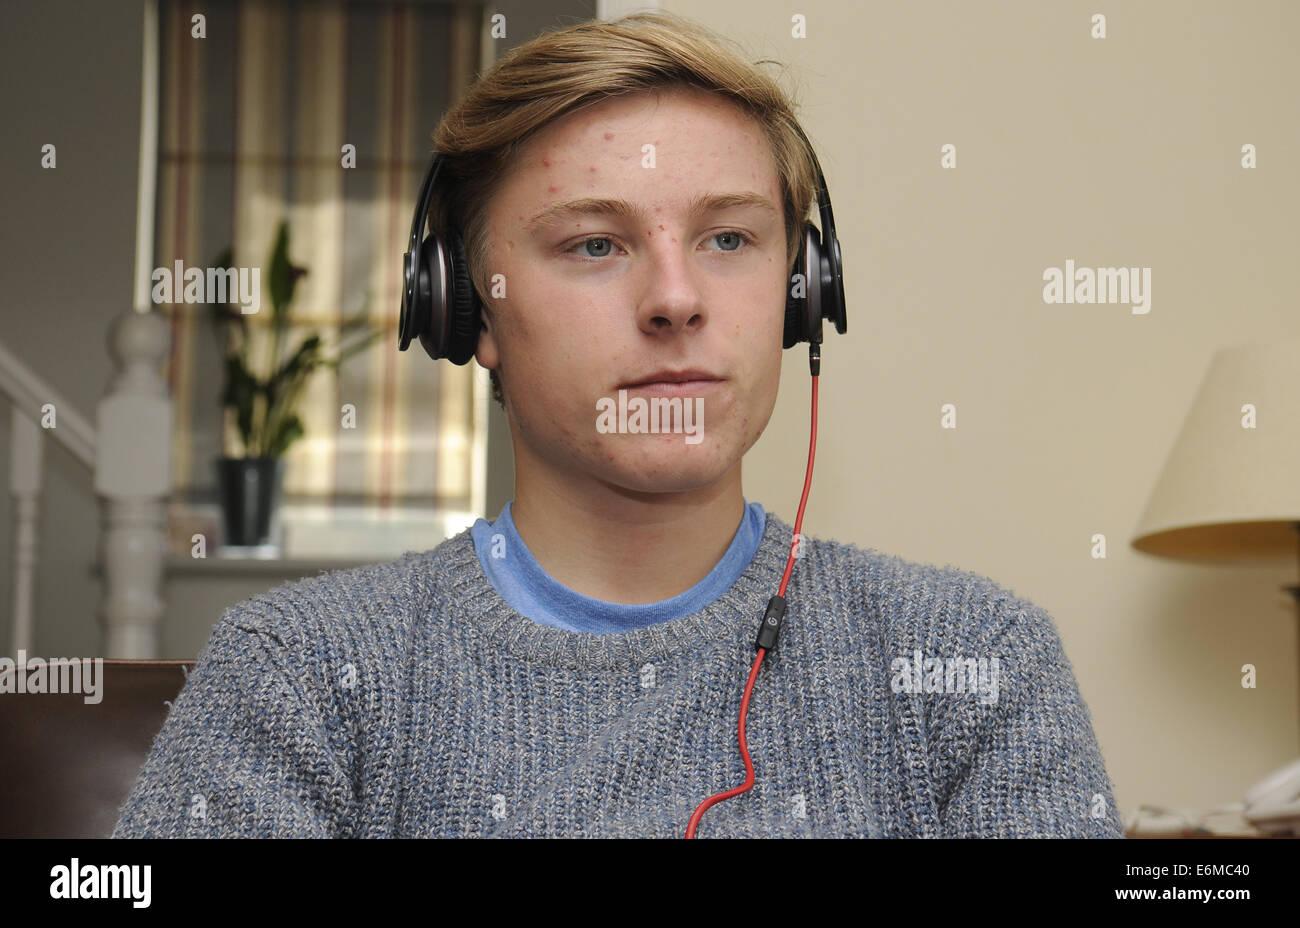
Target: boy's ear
column 486, row 352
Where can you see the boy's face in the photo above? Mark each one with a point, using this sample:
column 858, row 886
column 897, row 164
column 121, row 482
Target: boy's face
column 596, row 301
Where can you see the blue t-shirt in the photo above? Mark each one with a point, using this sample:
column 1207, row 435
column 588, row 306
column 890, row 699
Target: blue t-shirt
column 532, row 592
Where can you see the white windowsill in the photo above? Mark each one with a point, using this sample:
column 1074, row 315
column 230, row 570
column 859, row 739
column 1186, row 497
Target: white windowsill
column 314, row 537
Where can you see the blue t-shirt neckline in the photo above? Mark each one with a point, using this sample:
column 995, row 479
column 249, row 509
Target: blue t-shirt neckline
column 515, row 574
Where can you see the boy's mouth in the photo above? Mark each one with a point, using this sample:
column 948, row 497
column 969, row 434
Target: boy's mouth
column 674, row 388
column 674, row 382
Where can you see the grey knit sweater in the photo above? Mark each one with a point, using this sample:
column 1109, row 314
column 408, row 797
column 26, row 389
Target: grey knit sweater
column 408, row 699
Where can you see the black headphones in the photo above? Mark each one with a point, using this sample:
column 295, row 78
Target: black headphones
column 441, row 306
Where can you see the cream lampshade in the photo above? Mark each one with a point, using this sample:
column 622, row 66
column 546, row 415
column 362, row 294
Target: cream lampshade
column 1230, row 488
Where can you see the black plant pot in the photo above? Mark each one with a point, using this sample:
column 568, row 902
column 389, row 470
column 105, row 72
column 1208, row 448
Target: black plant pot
column 251, row 490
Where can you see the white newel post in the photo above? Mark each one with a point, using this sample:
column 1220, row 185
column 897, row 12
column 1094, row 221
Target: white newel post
column 133, row 482
column 26, row 449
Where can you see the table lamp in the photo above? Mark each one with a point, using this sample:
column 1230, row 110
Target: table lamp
column 1229, row 493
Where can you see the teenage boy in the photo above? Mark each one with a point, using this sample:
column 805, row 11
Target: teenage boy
column 631, row 197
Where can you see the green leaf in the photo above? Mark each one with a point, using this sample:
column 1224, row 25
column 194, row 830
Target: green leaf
column 293, row 371
column 289, row 430
column 240, row 393
column 301, row 359
column 281, row 275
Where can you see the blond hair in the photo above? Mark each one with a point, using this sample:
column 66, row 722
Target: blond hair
column 560, row 71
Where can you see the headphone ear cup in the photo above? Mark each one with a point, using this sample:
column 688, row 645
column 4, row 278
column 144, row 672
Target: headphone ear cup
column 803, row 278
column 465, row 306
column 411, row 321
column 427, row 310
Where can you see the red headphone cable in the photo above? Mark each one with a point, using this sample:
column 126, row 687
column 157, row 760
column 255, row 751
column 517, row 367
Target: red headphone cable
column 771, row 626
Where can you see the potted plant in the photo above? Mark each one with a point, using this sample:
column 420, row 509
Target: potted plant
column 251, row 483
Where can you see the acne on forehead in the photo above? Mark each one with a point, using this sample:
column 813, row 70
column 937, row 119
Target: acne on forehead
column 546, row 161
column 552, row 157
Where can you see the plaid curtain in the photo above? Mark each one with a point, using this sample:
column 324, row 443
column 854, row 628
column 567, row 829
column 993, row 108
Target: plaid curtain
column 255, row 116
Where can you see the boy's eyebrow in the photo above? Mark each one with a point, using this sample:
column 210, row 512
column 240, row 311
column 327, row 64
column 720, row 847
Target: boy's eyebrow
column 604, row 206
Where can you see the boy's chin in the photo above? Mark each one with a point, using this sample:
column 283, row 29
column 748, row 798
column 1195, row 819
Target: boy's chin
column 658, row 467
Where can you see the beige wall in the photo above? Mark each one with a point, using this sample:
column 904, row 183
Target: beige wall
column 1121, row 151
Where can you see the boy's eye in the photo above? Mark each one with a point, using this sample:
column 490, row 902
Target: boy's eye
column 595, row 252
column 600, row 246
column 734, row 237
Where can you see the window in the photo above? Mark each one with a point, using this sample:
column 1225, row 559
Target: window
column 254, row 117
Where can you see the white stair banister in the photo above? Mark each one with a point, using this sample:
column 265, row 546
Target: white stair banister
column 133, row 481
column 34, row 404
column 30, row 393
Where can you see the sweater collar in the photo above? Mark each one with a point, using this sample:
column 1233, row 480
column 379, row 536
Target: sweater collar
column 470, row 603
